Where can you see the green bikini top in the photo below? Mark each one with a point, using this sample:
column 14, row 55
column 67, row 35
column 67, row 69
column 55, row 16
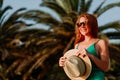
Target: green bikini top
column 91, row 49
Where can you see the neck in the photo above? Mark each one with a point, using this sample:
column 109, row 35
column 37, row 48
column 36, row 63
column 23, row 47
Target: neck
column 88, row 38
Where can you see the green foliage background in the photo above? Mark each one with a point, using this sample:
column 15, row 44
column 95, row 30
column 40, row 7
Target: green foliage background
column 32, row 54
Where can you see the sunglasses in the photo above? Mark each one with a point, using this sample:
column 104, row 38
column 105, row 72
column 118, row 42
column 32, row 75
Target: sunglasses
column 81, row 24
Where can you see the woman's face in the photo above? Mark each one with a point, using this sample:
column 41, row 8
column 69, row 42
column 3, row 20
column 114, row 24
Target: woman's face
column 82, row 24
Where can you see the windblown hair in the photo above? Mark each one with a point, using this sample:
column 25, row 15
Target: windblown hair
column 93, row 26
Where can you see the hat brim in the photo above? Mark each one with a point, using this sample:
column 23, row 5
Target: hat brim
column 86, row 60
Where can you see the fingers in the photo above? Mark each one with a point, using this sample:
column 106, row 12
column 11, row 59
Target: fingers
column 78, row 53
column 62, row 61
column 82, row 53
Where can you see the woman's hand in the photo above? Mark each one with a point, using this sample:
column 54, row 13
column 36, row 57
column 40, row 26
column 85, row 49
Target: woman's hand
column 62, row 61
column 82, row 52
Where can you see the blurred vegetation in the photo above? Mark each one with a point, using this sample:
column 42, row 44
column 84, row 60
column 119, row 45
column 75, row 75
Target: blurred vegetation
column 32, row 54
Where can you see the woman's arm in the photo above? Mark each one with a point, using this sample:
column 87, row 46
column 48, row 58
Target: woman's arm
column 104, row 62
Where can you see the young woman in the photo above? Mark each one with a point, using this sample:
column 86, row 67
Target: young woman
column 87, row 42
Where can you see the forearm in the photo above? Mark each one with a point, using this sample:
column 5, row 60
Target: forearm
column 103, row 65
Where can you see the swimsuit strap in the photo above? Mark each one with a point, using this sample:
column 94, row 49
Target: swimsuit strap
column 93, row 43
column 97, row 41
column 77, row 46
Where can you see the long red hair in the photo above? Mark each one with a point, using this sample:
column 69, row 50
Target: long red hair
column 93, row 26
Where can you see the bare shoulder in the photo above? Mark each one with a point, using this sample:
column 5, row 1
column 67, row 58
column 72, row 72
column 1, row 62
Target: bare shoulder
column 102, row 47
column 102, row 43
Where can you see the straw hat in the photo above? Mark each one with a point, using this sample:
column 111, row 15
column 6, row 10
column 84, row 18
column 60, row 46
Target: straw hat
column 77, row 67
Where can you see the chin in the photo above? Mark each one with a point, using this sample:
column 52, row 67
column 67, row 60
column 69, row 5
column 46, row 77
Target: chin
column 84, row 33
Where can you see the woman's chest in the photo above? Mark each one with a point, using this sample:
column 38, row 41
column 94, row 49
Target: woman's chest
column 92, row 48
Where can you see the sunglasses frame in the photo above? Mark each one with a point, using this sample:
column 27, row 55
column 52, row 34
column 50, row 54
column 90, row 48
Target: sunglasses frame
column 80, row 24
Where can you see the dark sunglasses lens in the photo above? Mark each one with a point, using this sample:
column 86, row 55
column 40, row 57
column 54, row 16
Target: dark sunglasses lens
column 80, row 24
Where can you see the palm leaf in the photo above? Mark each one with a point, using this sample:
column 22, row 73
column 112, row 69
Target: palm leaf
column 99, row 7
column 82, row 6
column 3, row 15
column 109, row 6
column 54, row 6
column 74, row 4
column 1, row 3
column 87, row 5
column 12, row 18
column 113, row 35
column 40, row 17
column 114, row 25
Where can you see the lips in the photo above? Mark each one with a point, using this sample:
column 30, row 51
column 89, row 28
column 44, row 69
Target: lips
column 83, row 29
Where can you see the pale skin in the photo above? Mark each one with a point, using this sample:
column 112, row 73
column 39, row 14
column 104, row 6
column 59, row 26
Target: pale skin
column 101, row 48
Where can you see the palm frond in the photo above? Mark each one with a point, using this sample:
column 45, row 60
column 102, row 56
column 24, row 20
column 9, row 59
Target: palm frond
column 74, row 4
column 1, row 3
column 87, row 5
column 54, row 6
column 113, row 25
column 29, row 34
column 82, row 6
column 107, row 7
column 113, row 35
column 13, row 18
column 99, row 7
column 3, row 15
column 5, row 10
column 40, row 17
column 65, row 4
column 114, row 53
